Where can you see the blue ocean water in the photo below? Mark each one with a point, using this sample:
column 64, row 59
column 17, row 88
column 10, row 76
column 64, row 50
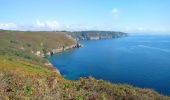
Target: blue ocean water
column 142, row 61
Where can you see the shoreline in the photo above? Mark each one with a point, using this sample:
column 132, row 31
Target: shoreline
column 113, row 83
column 60, row 50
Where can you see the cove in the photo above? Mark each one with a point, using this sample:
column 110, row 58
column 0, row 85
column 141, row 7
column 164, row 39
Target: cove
column 142, row 61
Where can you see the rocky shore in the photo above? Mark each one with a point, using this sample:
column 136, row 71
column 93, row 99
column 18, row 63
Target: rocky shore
column 57, row 50
column 64, row 48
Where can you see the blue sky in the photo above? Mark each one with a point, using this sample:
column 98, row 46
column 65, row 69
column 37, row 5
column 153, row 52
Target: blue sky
column 119, row 15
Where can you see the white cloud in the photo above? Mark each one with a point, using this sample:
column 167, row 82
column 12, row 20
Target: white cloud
column 55, row 26
column 115, row 13
column 144, row 30
column 77, row 27
column 48, row 25
column 8, row 26
column 38, row 26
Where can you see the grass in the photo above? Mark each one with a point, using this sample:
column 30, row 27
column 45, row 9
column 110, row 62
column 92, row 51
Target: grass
column 21, row 79
column 92, row 89
column 22, row 67
column 27, row 42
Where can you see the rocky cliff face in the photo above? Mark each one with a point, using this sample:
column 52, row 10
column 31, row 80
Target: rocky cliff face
column 64, row 48
column 56, row 50
column 96, row 35
column 75, row 36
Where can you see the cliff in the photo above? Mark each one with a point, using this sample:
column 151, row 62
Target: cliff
column 26, row 75
column 96, row 35
column 38, row 43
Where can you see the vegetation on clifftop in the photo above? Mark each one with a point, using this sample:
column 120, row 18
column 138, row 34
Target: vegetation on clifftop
column 95, row 35
column 23, row 75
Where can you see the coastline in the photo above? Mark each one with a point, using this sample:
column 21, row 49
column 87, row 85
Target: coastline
column 64, row 48
column 59, row 50
column 68, row 69
column 27, row 73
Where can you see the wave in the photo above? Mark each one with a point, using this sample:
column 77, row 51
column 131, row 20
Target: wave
column 155, row 41
column 160, row 49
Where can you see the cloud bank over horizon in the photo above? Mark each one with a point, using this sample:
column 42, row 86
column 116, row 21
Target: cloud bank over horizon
column 53, row 25
column 132, row 16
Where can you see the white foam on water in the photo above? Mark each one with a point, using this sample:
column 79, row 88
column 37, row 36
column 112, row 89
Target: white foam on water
column 150, row 47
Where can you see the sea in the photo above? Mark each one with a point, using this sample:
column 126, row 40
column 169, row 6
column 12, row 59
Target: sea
column 138, row 60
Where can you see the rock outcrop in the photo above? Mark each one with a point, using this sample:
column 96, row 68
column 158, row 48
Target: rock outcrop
column 96, row 35
column 64, row 48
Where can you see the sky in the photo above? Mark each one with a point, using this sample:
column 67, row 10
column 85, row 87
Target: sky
column 133, row 16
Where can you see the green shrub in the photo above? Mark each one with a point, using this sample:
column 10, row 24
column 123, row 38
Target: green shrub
column 28, row 90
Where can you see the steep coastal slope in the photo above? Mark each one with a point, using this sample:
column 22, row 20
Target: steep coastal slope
column 96, row 35
column 35, row 42
column 25, row 74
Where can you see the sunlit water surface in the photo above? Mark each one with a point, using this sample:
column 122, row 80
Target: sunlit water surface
column 142, row 61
